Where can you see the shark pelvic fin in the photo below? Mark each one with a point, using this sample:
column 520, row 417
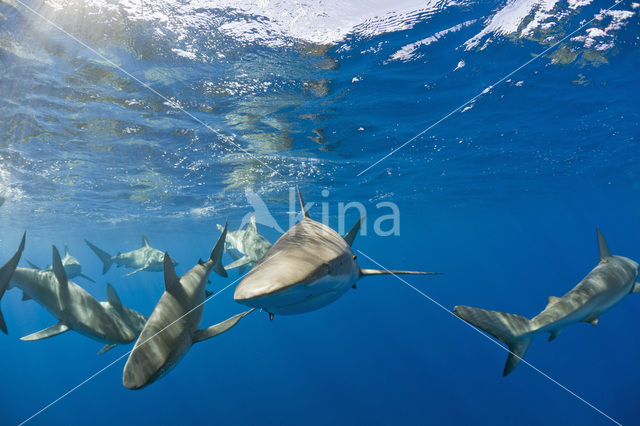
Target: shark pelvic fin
column 112, row 297
column 106, row 348
column 6, row 272
column 593, row 319
column 145, row 241
column 554, row 335
column 54, row 330
column 106, row 258
column 602, row 245
column 216, row 253
column 305, row 213
column 511, row 329
column 171, row 279
column 351, row 235
column 86, row 277
column 219, row 328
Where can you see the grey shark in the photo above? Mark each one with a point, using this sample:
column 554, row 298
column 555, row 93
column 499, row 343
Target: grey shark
column 6, row 272
column 249, row 243
column 109, row 322
column 309, row 267
column 174, row 324
column 72, row 266
column 604, row 287
column 146, row 258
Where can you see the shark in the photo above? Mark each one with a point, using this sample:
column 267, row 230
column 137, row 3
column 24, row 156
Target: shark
column 109, row 322
column 71, row 265
column 146, row 258
column 6, row 272
column 249, row 242
column 174, row 324
column 605, row 286
column 309, row 267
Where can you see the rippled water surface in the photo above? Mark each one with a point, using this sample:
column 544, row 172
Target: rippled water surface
column 167, row 118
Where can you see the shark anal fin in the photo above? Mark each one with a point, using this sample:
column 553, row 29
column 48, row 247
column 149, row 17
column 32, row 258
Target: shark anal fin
column 54, row 330
column 593, row 319
column 636, row 288
column 219, row 328
column 170, row 277
column 354, row 287
column 106, row 348
column 554, row 335
column 208, row 293
column 25, row 296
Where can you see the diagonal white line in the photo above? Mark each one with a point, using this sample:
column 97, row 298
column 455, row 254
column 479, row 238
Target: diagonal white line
column 171, row 103
column 495, row 342
column 487, row 89
column 88, row 379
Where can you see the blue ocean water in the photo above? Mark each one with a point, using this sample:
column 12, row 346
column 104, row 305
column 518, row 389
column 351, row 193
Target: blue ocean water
column 168, row 118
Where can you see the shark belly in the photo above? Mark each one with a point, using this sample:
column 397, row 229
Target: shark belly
column 304, row 297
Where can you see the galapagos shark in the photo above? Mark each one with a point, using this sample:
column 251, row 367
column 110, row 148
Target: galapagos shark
column 146, row 258
column 309, row 267
column 174, row 324
column 6, row 272
column 110, row 322
column 604, row 287
column 71, row 266
column 252, row 245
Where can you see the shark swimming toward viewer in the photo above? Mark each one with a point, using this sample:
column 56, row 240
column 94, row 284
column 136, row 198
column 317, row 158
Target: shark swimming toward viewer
column 6, row 272
column 71, row 266
column 174, row 324
column 109, row 322
column 309, row 267
column 146, row 258
column 604, row 287
column 249, row 242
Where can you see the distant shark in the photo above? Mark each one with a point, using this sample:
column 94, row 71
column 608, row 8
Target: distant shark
column 249, row 243
column 71, row 265
column 604, row 287
column 6, row 272
column 174, row 324
column 110, row 322
column 308, row 267
column 146, row 258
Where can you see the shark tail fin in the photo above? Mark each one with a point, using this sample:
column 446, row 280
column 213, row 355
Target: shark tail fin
column 6, row 272
column 515, row 331
column 367, row 272
column 216, row 253
column 103, row 255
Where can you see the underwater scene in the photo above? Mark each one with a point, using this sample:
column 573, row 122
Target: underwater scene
column 314, row 212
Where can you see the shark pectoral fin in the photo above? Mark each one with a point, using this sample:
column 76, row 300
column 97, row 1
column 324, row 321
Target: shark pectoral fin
column 636, row 288
column 170, row 277
column 219, row 328
column 216, row 253
column 135, row 271
column 61, row 276
column 107, row 348
column 351, row 235
column 86, row 278
column 54, row 330
column 554, row 335
column 366, row 272
column 239, row 262
column 25, row 296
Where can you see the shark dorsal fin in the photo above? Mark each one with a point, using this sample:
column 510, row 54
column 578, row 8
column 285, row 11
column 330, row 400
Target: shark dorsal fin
column 66, row 250
column 305, row 213
column 602, row 245
column 216, row 253
column 112, row 297
column 552, row 300
column 171, row 279
column 61, row 276
column 351, row 235
column 145, row 242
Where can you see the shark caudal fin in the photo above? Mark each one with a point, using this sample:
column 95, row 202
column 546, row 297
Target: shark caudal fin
column 514, row 330
column 106, row 258
column 6, row 272
column 216, row 253
column 367, row 272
